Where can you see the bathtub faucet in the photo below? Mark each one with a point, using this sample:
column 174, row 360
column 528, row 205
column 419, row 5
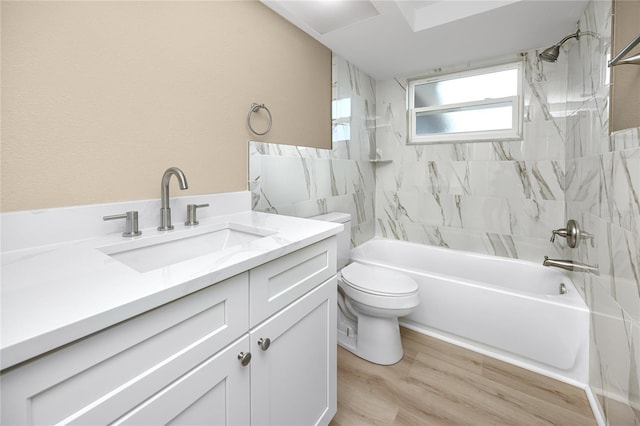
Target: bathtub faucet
column 571, row 265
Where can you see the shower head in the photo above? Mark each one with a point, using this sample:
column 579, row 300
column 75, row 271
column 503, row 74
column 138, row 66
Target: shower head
column 550, row 54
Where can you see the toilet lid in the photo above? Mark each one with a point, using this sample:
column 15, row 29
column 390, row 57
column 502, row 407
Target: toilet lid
column 377, row 280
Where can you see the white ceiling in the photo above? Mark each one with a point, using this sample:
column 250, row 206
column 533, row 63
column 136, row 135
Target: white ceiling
column 408, row 38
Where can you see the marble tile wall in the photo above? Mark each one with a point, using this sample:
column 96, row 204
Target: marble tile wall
column 303, row 182
column 500, row 198
column 603, row 195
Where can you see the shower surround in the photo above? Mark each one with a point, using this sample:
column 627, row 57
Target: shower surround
column 500, row 198
column 603, row 195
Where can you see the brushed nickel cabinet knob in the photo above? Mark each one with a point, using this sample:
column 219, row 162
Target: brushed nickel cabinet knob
column 245, row 358
column 264, row 343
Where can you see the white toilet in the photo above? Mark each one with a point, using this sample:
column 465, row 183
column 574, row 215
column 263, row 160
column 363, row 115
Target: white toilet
column 370, row 300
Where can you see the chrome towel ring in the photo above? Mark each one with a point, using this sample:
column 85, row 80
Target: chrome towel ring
column 255, row 108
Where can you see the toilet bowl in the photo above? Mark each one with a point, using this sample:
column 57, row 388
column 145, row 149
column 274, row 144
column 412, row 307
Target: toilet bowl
column 370, row 300
column 377, row 297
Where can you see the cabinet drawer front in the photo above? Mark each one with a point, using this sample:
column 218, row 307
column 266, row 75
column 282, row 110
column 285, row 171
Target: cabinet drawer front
column 111, row 371
column 276, row 284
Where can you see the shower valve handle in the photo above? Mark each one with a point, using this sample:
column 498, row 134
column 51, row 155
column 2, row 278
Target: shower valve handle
column 561, row 232
column 573, row 234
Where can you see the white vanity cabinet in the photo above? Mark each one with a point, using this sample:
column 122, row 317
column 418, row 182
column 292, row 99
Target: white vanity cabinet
column 180, row 363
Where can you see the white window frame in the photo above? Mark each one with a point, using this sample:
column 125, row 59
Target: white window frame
column 517, row 102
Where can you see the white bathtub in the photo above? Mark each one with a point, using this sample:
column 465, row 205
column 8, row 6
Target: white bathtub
column 505, row 308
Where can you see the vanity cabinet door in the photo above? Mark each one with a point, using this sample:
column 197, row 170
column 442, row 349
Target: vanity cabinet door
column 293, row 377
column 214, row 393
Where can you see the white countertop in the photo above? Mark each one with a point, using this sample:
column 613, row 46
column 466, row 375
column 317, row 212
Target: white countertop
column 52, row 295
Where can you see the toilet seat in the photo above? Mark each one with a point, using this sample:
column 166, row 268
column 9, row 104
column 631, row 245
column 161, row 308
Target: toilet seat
column 378, row 281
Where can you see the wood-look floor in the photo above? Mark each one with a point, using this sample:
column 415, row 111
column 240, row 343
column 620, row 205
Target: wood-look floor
column 437, row 383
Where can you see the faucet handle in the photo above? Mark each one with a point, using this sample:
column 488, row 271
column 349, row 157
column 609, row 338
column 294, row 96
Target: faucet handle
column 191, row 213
column 561, row 232
column 573, row 234
column 131, row 224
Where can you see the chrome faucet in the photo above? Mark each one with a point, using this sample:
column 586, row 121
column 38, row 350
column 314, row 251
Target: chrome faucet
column 570, row 265
column 165, row 210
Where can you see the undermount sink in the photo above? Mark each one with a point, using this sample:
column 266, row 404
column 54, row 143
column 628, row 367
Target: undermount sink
column 165, row 250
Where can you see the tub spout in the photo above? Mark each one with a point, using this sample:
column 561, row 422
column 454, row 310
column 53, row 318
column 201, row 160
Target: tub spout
column 571, row 265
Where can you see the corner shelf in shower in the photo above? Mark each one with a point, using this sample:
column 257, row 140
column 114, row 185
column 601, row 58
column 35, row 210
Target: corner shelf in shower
column 380, row 161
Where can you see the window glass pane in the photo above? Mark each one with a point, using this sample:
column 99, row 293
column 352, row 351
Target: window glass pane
column 466, row 89
column 470, row 119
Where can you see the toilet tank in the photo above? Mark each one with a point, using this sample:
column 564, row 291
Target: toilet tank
column 344, row 237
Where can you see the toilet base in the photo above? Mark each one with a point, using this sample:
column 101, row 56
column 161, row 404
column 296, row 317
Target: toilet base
column 347, row 332
column 374, row 339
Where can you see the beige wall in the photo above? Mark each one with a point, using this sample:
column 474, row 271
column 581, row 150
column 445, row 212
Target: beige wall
column 99, row 98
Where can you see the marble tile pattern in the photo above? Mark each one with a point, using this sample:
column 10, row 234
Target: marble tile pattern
column 500, row 198
column 303, row 182
column 603, row 195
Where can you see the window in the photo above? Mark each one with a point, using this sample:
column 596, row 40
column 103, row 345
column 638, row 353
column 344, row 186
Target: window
column 479, row 105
